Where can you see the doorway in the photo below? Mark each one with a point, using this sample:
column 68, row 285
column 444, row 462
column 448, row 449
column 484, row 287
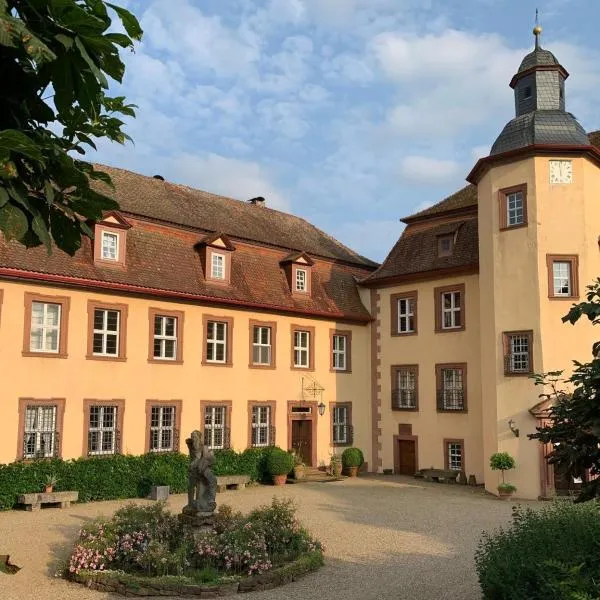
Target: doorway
column 302, row 439
column 405, row 455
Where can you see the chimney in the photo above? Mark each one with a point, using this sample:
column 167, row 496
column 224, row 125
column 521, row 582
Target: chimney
column 258, row 201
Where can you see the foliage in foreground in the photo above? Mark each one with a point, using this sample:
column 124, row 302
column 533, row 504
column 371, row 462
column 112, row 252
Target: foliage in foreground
column 150, row 541
column 547, row 554
column 574, row 419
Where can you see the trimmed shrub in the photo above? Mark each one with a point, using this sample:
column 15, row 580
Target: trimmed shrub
column 547, row 554
column 352, row 457
column 279, row 462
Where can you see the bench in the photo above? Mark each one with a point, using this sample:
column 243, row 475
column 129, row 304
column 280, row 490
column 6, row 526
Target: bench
column 439, row 475
column 35, row 501
column 232, row 482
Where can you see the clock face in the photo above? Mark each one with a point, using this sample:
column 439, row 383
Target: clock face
column 561, row 171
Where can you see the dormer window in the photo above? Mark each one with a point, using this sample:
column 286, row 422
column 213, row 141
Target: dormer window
column 217, row 265
column 110, row 240
column 527, row 92
column 298, row 271
column 300, row 280
column 445, row 245
column 215, row 254
column 110, row 246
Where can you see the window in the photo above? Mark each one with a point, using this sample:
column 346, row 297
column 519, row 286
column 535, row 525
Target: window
column 449, row 308
column 518, row 353
column 165, row 337
column 45, row 327
column 341, row 419
column 301, row 280
column 102, row 430
column 445, row 245
column 40, row 440
column 217, row 269
column 454, row 455
column 563, row 276
column 405, row 379
column 404, row 313
column 341, row 346
column 262, row 432
column 261, row 345
column 527, row 92
column 106, row 332
column 215, row 427
column 110, row 246
column 451, row 387
column 162, row 429
column 513, row 207
column 216, row 342
column 301, row 349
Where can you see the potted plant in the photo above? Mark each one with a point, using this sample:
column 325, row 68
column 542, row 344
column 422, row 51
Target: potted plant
column 335, row 465
column 160, row 478
column 503, row 461
column 299, row 467
column 51, row 480
column 279, row 464
column 352, row 459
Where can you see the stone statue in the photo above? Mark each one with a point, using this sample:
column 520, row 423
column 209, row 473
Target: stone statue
column 202, row 483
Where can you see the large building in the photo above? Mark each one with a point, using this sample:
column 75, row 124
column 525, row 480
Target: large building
column 191, row 310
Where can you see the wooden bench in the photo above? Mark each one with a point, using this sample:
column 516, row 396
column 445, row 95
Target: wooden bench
column 232, row 482
column 439, row 475
column 35, row 501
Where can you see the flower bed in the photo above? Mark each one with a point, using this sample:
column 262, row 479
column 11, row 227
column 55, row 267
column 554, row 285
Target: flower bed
column 145, row 550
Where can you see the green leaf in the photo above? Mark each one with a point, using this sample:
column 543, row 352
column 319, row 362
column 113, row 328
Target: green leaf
column 65, row 232
column 13, row 222
column 49, row 191
column 40, row 228
column 3, row 196
column 131, row 24
column 91, row 64
column 119, row 38
column 16, row 141
column 66, row 41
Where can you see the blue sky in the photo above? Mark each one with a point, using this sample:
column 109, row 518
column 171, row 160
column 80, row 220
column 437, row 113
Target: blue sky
column 350, row 113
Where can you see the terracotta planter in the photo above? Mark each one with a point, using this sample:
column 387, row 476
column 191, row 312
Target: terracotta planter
column 49, row 489
column 279, row 479
column 503, row 495
column 352, row 471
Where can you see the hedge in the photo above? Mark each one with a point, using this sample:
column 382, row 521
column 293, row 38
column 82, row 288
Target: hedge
column 120, row 476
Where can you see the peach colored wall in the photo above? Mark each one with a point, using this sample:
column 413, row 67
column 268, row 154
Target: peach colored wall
column 427, row 349
column 137, row 380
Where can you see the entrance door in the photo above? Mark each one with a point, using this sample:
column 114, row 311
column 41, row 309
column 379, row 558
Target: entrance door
column 407, row 457
column 302, row 439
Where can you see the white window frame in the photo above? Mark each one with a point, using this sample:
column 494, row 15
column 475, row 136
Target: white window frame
column 259, row 346
column 458, row 376
column 213, row 341
column 341, row 425
column 40, row 422
column 217, row 266
column 214, row 426
column 558, row 279
column 454, row 450
column 106, row 250
column 261, row 426
column 301, row 284
column 162, row 338
column 159, row 425
column 105, row 332
column 404, row 378
column 454, row 309
column 301, row 349
column 519, row 355
column 340, row 352
column 515, row 209
column 45, row 327
column 406, row 312
column 101, row 429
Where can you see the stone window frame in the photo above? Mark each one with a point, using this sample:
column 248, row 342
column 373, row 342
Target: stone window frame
column 439, row 382
column 573, row 260
column 120, row 405
column 502, row 202
column 65, row 303
column 180, row 316
column 1, row 299
column 307, row 268
column 272, row 404
column 226, row 254
column 394, row 312
column 348, row 406
column 60, row 404
column 225, row 404
column 394, row 370
column 92, row 305
column 438, row 291
column 442, row 252
column 178, row 405
column 311, row 347
column 346, row 333
column 252, row 323
column 120, row 230
column 228, row 362
column 506, row 335
column 447, row 442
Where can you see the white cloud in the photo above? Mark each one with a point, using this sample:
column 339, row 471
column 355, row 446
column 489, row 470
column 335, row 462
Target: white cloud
column 422, row 169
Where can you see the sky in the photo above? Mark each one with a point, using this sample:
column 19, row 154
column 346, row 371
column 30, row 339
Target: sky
column 349, row 113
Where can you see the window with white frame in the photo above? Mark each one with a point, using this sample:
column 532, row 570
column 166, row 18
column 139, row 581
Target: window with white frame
column 302, row 349
column 451, row 310
column 165, row 337
column 106, row 332
column 515, row 209
column 102, row 430
column 110, row 246
column 455, row 456
column 405, row 394
column 406, row 315
column 452, row 389
column 214, row 427
column 561, row 277
column 162, row 429
column 518, row 359
column 261, row 345
column 45, row 327
column 216, row 342
column 301, row 280
column 341, row 425
column 340, row 343
column 217, row 266
column 261, row 426
column 40, row 432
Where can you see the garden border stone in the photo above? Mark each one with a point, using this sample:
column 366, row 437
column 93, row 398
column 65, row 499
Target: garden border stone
column 139, row 586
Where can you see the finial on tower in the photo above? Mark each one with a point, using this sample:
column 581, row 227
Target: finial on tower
column 537, row 30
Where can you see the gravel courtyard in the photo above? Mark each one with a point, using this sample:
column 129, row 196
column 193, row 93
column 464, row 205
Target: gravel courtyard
column 385, row 537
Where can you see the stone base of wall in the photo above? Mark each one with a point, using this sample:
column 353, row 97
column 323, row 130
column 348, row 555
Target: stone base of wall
column 134, row 585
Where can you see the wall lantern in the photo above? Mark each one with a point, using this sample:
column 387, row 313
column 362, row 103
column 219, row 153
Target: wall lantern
column 511, row 426
column 321, row 408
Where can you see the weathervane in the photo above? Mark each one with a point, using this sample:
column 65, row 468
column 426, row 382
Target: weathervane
column 537, row 30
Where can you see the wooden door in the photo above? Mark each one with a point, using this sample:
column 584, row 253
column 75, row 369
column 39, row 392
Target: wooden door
column 302, row 439
column 407, row 457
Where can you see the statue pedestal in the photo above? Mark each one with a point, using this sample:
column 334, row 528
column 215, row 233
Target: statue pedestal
column 196, row 519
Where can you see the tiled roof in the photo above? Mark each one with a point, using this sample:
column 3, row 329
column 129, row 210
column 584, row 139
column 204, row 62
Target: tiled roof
column 539, row 57
column 464, row 198
column 165, row 201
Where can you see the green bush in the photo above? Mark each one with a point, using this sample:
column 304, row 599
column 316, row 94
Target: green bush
column 279, row 462
column 502, row 461
column 352, row 457
column 547, row 554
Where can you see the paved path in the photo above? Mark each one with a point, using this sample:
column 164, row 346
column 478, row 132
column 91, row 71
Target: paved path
column 385, row 537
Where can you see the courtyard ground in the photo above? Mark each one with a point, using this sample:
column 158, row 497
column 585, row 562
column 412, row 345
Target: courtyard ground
column 385, row 537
